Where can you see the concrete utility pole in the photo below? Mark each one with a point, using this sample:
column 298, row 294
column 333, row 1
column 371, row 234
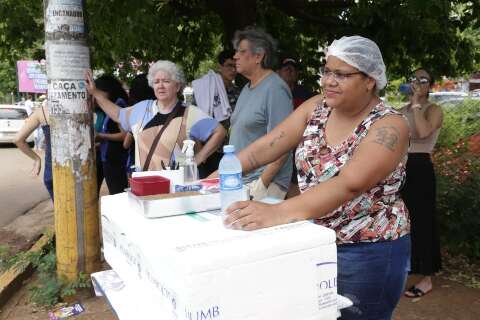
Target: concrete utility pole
column 74, row 171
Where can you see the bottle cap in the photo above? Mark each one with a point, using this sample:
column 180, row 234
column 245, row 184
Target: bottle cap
column 228, row 148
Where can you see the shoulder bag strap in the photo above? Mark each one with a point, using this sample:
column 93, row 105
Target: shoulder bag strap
column 159, row 134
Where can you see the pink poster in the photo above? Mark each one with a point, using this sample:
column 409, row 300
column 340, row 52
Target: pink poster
column 32, row 76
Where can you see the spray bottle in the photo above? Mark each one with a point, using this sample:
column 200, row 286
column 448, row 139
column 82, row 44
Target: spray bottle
column 190, row 167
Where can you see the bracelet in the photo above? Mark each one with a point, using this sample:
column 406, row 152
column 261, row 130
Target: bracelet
column 417, row 106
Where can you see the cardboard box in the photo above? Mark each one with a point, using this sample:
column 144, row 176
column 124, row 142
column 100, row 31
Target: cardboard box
column 200, row 270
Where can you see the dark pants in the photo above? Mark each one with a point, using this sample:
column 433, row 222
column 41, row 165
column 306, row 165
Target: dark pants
column 99, row 164
column 419, row 194
column 49, row 185
column 373, row 276
column 210, row 165
column 115, row 176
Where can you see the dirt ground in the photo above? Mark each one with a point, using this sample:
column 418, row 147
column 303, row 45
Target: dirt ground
column 448, row 301
column 19, row 308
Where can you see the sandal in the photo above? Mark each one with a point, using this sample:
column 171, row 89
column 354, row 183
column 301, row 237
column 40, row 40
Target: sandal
column 414, row 292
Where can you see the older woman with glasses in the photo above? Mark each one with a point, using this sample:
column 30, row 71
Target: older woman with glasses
column 159, row 126
column 264, row 102
column 419, row 193
column 351, row 154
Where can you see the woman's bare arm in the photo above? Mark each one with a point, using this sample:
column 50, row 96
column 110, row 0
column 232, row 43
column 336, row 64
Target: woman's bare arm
column 128, row 140
column 119, row 136
column 280, row 140
column 31, row 123
column 429, row 121
column 375, row 158
column 213, row 143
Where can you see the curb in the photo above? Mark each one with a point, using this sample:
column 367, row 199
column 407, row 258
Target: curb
column 13, row 278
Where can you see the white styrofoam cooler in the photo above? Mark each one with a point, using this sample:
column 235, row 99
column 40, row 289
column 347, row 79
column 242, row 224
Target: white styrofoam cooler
column 199, row 270
column 132, row 303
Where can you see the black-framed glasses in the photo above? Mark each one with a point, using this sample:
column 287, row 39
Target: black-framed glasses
column 337, row 76
column 421, row 80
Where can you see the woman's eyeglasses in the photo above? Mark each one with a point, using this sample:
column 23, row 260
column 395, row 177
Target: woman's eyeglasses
column 420, row 80
column 337, row 76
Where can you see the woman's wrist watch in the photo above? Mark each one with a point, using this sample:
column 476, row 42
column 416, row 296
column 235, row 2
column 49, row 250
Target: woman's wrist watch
column 416, row 106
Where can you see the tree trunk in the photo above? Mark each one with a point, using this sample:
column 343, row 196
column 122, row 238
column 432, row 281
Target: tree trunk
column 236, row 15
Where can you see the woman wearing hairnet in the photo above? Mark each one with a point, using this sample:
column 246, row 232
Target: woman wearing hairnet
column 351, row 154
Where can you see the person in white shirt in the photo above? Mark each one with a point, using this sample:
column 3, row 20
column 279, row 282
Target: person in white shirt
column 29, row 105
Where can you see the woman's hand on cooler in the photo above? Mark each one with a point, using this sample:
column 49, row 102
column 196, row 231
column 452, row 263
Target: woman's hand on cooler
column 37, row 166
column 252, row 215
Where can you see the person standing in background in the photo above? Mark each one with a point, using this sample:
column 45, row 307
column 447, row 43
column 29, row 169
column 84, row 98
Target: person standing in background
column 264, row 102
column 419, row 192
column 288, row 71
column 112, row 154
column 39, row 139
column 159, row 126
column 29, row 104
column 216, row 94
column 39, row 118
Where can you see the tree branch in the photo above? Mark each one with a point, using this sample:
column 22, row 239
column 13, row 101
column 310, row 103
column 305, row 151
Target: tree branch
column 305, row 10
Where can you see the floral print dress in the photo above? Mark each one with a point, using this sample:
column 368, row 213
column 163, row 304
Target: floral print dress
column 379, row 214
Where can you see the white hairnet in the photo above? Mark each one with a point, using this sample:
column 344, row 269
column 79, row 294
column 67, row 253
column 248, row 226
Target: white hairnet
column 361, row 53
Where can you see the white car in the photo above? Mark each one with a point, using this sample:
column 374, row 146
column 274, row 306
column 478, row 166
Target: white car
column 12, row 118
column 443, row 97
column 452, row 98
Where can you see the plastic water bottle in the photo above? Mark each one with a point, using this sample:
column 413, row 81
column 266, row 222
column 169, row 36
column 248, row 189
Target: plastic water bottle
column 231, row 184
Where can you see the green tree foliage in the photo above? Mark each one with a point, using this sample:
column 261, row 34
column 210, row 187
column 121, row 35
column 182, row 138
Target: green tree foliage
column 146, row 31
column 457, row 166
column 8, row 81
column 421, row 33
column 21, row 28
column 438, row 34
column 21, row 37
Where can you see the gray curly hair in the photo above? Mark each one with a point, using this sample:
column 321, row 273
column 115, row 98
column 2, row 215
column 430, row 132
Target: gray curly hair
column 169, row 67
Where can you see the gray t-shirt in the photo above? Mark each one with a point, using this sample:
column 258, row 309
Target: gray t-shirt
column 257, row 112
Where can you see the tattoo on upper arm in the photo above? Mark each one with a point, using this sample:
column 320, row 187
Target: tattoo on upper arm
column 388, row 137
column 280, row 136
column 253, row 161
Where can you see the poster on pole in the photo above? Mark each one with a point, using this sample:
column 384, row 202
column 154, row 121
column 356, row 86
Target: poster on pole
column 71, row 60
column 67, row 97
column 65, row 17
column 31, row 76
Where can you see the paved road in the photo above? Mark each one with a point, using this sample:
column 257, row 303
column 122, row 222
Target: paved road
column 19, row 191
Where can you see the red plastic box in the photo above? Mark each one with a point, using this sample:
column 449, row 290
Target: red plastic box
column 149, row 185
